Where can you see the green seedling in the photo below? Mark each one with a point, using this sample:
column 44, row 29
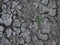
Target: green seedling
column 39, row 20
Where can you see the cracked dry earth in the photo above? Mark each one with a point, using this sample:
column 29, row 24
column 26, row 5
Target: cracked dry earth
column 19, row 27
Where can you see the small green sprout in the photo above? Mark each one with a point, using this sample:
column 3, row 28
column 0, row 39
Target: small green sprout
column 39, row 20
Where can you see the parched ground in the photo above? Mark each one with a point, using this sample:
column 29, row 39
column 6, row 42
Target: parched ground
column 18, row 25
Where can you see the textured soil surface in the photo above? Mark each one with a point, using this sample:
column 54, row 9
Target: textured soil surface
column 18, row 25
